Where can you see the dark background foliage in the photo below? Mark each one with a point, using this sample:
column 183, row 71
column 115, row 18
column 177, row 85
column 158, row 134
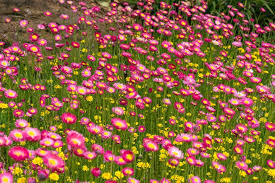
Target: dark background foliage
column 251, row 7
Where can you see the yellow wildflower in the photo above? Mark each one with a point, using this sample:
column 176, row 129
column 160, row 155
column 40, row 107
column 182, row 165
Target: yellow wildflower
column 106, row 175
column 54, row 176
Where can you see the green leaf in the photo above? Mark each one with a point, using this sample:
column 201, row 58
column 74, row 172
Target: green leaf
column 267, row 6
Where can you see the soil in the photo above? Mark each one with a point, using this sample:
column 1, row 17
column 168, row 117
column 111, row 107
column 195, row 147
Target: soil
column 32, row 10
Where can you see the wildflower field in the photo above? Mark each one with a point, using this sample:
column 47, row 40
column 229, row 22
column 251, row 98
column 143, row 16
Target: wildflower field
column 147, row 91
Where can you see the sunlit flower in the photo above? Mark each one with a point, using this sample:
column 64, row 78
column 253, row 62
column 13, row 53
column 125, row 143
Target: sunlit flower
column 18, row 153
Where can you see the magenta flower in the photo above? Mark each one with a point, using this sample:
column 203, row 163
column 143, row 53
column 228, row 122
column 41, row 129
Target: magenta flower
column 119, row 123
column 96, row 172
column 6, row 177
column 10, row 94
column 68, row 118
column 23, row 23
column 18, row 153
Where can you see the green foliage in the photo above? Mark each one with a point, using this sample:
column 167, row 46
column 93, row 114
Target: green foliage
column 251, row 8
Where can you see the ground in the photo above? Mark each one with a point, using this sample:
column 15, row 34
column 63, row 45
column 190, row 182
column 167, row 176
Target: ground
column 31, row 10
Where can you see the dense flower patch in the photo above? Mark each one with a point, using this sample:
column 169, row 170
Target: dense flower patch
column 157, row 93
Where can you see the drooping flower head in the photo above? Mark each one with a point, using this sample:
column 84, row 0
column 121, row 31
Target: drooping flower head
column 96, row 172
